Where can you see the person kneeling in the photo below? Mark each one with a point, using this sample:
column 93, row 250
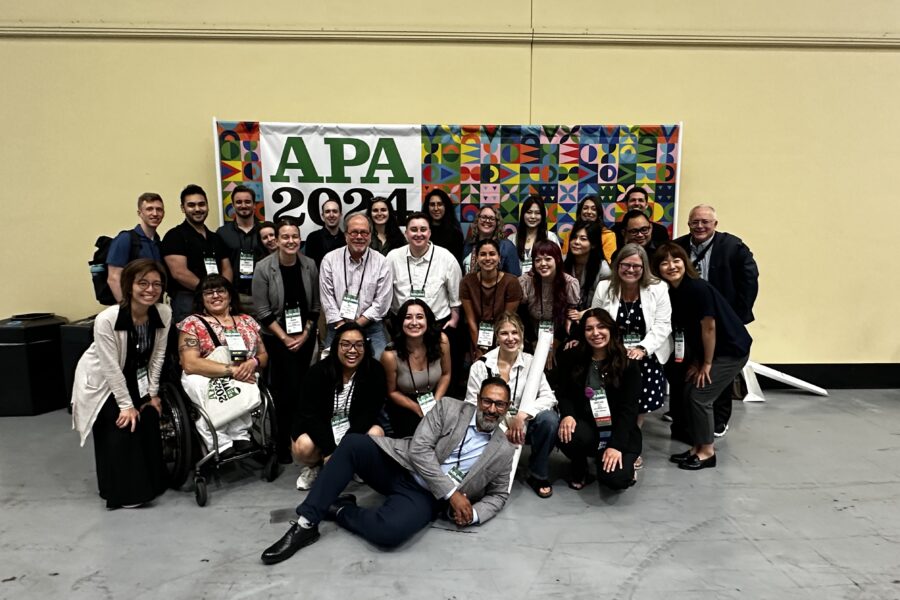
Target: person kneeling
column 343, row 393
column 598, row 403
column 457, row 459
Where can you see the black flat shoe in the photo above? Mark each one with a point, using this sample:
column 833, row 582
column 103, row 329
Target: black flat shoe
column 296, row 537
column 343, row 501
column 680, row 458
column 694, row 463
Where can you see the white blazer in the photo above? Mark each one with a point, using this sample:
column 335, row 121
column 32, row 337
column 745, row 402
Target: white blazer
column 657, row 311
column 99, row 372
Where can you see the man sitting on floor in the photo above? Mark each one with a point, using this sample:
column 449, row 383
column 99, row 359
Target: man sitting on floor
column 458, row 459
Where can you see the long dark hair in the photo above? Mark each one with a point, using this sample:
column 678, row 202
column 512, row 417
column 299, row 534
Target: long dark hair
column 431, row 339
column 449, row 221
column 595, row 257
column 211, row 282
column 548, row 248
column 522, row 231
column 616, row 361
column 395, row 237
column 332, row 365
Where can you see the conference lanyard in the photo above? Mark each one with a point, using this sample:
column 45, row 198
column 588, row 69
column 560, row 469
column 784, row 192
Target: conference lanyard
column 344, row 410
column 631, row 337
column 702, row 254
column 412, row 288
column 413, row 377
column 361, row 276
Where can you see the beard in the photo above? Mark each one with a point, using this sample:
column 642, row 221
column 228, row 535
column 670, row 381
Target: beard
column 483, row 424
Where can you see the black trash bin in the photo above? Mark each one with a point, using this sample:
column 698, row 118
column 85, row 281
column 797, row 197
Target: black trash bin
column 31, row 365
column 76, row 338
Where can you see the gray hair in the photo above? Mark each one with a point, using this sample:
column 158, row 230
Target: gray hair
column 708, row 207
column 357, row 215
column 615, row 282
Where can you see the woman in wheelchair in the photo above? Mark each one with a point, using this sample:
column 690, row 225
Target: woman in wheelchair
column 343, row 393
column 220, row 344
column 116, row 391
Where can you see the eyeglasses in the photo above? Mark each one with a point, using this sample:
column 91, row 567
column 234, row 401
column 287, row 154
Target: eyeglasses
column 700, row 223
column 144, row 284
column 639, row 230
column 347, row 346
column 215, row 292
column 487, row 402
column 484, row 219
column 358, row 233
column 630, row 267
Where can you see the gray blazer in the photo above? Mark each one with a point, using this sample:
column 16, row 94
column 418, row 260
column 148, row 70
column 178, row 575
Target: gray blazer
column 440, row 432
column 268, row 288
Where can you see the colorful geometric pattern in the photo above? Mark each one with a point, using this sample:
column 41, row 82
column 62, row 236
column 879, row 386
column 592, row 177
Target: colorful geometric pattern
column 239, row 163
column 502, row 165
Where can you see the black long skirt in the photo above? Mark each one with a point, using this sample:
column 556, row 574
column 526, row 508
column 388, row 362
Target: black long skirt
column 130, row 468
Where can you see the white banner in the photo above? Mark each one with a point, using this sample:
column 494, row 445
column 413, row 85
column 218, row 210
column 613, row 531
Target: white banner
column 304, row 165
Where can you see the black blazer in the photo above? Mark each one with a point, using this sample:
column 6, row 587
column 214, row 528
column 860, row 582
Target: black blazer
column 732, row 271
column 316, row 406
column 623, row 400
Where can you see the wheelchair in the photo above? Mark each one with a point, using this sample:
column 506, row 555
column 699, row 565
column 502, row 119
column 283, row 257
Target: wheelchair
column 182, row 444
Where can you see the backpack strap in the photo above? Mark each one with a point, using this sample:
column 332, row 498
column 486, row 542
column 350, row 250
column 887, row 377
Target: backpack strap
column 135, row 251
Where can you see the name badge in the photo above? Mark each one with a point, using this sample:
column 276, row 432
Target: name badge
column 211, row 267
column 457, row 475
column 600, row 407
column 143, row 381
column 631, row 340
column 246, row 265
column 545, row 326
column 485, row 335
column 414, row 293
column 236, row 345
column 293, row 321
column 339, row 428
column 426, row 402
column 679, row 346
column 526, row 265
column 349, row 306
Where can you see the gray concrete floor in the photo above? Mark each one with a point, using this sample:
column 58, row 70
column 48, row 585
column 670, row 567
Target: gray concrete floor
column 804, row 504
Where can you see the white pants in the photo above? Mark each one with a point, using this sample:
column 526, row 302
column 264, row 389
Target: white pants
column 226, row 435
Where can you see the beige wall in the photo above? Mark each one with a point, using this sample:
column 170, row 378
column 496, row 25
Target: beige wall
column 789, row 119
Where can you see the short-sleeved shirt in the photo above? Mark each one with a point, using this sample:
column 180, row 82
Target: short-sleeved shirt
column 239, row 241
column 246, row 326
column 695, row 299
column 119, row 254
column 183, row 240
column 490, row 302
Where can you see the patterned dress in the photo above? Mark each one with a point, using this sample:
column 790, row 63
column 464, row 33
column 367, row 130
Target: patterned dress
column 630, row 319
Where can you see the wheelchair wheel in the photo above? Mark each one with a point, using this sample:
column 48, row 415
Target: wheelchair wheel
column 175, row 429
column 200, row 491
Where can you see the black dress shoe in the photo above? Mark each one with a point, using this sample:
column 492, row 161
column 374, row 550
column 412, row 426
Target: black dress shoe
column 296, row 537
column 680, row 458
column 695, row 463
column 342, row 501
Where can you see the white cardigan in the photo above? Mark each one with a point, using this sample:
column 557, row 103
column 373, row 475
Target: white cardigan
column 99, row 372
column 545, row 400
column 657, row 311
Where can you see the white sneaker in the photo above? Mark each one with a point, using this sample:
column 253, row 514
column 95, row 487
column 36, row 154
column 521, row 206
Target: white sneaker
column 721, row 433
column 307, row 477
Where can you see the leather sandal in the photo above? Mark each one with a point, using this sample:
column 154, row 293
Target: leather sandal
column 538, row 484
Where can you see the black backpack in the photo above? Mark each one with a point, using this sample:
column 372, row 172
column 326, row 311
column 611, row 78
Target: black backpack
column 97, row 264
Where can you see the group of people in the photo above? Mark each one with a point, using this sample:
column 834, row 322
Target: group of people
column 367, row 335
